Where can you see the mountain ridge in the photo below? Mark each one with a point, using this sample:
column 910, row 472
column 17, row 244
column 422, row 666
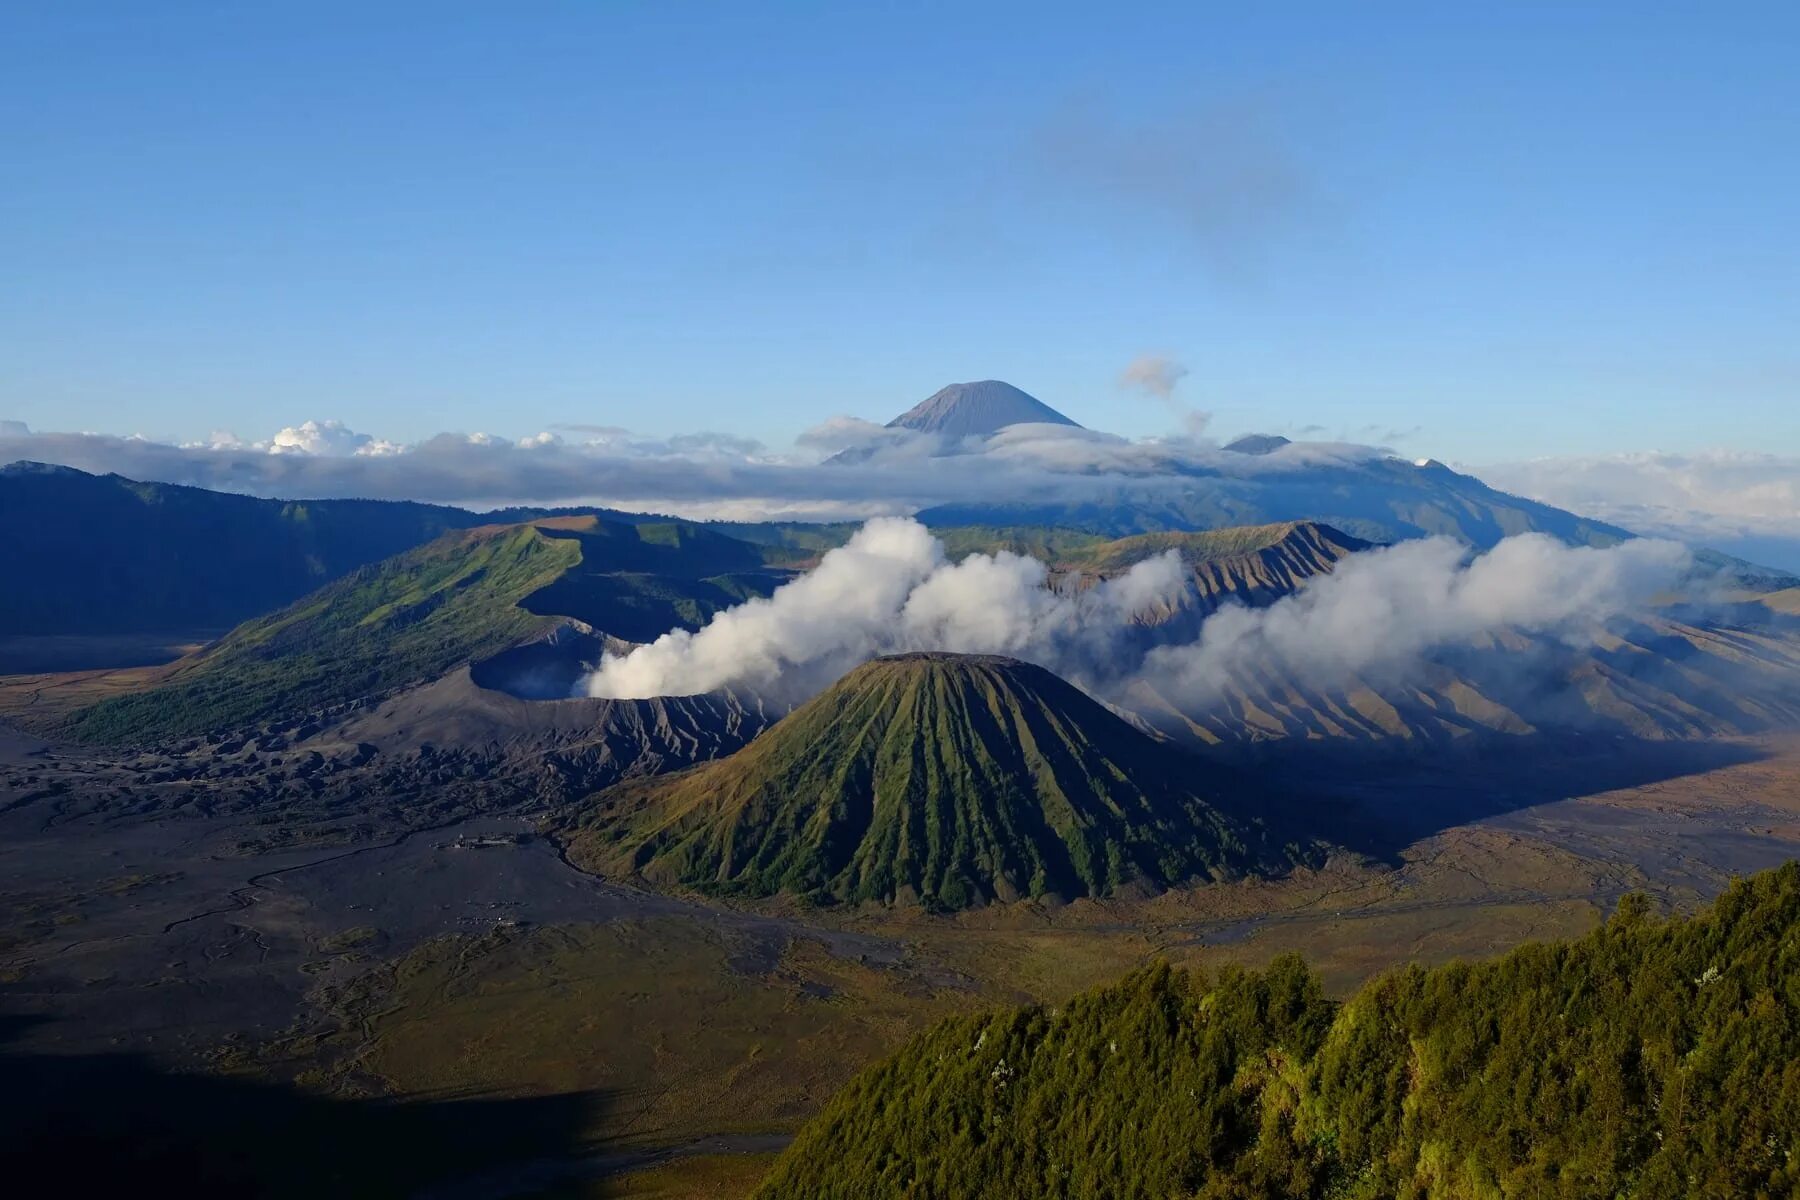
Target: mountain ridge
column 480, row 596
column 108, row 554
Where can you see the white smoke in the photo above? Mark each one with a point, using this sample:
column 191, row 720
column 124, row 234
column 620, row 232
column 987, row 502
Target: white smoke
column 1377, row 616
column 1383, row 611
column 890, row 589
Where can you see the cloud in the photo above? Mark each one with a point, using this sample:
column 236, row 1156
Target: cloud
column 891, row 472
column 1382, row 612
column 595, row 431
column 1377, row 618
column 835, row 434
column 1154, row 374
column 313, row 437
column 327, row 437
column 1223, row 174
column 891, row 589
column 1742, row 502
column 1158, row 376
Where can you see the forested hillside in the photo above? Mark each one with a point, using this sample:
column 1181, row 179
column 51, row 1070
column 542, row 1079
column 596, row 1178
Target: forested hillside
column 1652, row 1058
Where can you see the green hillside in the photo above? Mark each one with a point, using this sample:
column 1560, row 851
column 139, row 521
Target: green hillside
column 461, row 598
column 1649, row 1059
column 944, row 779
column 800, row 542
column 410, row 618
column 1254, row 564
column 1035, row 541
column 638, row 581
column 1295, row 538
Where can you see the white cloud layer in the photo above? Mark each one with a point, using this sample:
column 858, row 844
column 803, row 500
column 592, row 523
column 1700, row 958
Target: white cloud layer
column 1383, row 611
column 1741, row 502
column 1377, row 617
column 895, row 470
column 891, row 589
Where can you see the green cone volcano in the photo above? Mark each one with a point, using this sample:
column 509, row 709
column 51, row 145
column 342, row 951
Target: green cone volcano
column 944, row 779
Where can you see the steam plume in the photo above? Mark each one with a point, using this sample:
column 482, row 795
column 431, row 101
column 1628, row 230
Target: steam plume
column 1378, row 616
column 890, row 589
column 1381, row 612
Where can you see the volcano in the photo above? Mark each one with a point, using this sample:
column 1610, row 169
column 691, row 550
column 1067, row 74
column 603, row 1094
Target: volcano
column 976, row 410
column 941, row 779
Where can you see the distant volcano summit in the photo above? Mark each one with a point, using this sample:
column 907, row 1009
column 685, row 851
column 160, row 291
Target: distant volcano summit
column 977, row 409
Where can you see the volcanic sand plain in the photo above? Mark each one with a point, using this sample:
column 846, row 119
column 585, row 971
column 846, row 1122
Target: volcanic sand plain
column 434, row 964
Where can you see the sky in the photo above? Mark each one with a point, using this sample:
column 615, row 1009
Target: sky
column 1487, row 235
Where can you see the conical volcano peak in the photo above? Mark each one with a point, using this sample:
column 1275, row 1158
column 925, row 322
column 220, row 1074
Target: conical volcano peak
column 1258, row 443
column 941, row 779
column 977, row 409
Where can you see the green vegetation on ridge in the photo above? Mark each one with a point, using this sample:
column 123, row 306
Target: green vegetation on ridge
column 410, row 618
column 456, row 600
column 1649, row 1059
column 1209, row 545
column 638, row 581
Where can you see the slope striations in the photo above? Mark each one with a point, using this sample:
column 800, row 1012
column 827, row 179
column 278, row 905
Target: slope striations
column 944, row 779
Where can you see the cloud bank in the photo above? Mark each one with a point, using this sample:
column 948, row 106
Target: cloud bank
column 890, row 589
column 1384, row 611
column 697, row 475
column 1744, row 503
column 1377, row 618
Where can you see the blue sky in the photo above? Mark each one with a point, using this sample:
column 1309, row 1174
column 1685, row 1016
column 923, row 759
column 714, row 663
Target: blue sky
column 1481, row 235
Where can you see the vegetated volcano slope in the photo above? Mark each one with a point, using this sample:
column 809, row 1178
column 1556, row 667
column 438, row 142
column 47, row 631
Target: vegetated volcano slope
column 800, row 544
column 410, row 618
column 1655, row 676
column 462, row 599
column 93, row 554
column 944, row 779
column 637, row 581
column 1252, row 564
column 1649, row 1059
